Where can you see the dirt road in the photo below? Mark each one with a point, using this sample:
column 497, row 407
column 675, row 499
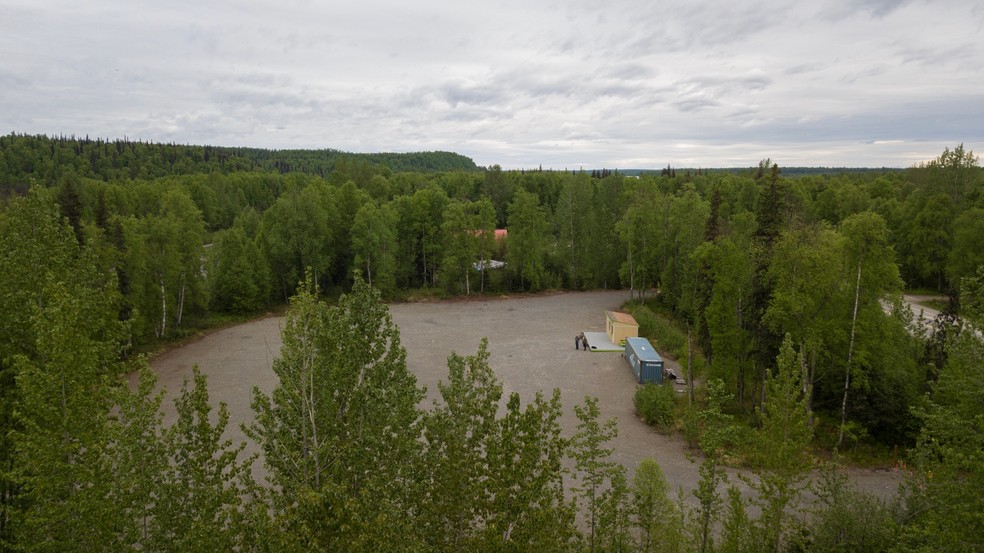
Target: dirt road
column 531, row 341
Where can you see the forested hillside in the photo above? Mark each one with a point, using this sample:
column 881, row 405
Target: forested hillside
column 791, row 286
column 44, row 159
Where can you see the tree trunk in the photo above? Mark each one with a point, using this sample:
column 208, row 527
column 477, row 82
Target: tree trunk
column 574, row 271
column 850, row 353
column 181, row 301
column 484, row 267
column 163, row 310
column 741, row 357
column 765, row 374
column 631, row 272
column 690, row 371
column 807, row 369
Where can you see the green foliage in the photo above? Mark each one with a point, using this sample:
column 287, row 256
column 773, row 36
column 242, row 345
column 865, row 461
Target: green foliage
column 489, row 482
column 527, row 243
column 683, row 233
column 572, row 229
column 972, row 297
column 966, row 255
column 640, row 230
column 528, row 510
column 737, row 530
column 456, row 434
column 846, row 519
column 295, row 234
column 180, row 487
column 655, row 404
column 164, row 253
column 656, row 516
column 944, row 492
column 928, row 238
column 715, row 432
column 118, row 242
column 238, row 273
column 374, row 246
column 61, row 427
column 660, row 330
column 48, row 158
column 601, row 482
column 728, row 317
column 59, row 342
column 781, row 459
column 339, row 433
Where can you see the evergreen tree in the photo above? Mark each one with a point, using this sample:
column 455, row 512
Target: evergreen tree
column 238, row 273
column 780, row 451
column 945, row 503
column 715, row 432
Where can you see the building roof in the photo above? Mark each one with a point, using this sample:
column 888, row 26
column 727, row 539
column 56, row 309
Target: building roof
column 643, row 349
column 620, row 317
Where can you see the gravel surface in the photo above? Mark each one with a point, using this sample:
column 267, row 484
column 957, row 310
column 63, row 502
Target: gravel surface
column 531, row 341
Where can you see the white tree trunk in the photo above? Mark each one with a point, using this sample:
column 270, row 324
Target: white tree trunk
column 181, row 301
column 850, row 353
column 163, row 310
column 690, row 371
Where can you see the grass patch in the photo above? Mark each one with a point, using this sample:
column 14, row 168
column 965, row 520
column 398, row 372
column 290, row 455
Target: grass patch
column 858, row 448
column 194, row 328
column 416, row 295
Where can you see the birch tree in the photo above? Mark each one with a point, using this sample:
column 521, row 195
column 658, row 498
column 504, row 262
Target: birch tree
column 571, row 221
column 374, row 246
column 872, row 262
column 527, row 242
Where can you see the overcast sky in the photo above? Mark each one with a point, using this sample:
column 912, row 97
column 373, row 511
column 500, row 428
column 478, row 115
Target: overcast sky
column 566, row 84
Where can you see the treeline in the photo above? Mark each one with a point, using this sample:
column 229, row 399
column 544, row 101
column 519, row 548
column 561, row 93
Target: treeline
column 43, row 159
column 354, row 463
column 745, row 261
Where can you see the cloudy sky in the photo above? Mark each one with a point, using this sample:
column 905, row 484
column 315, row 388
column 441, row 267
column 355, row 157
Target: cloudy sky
column 565, row 84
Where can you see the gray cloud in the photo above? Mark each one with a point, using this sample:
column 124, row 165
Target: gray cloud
column 875, row 82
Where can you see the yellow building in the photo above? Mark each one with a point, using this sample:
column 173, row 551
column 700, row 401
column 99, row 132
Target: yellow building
column 620, row 326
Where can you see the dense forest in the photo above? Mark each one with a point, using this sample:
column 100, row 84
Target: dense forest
column 791, row 287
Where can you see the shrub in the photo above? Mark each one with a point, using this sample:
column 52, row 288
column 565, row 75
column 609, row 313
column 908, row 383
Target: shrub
column 654, row 403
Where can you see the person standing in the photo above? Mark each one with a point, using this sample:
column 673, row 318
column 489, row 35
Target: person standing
column 577, row 342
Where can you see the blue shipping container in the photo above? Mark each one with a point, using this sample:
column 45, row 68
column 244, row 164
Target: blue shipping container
column 647, row 365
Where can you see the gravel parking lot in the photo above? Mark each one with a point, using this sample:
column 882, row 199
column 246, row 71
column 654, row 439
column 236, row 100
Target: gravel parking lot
column 531, row 341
